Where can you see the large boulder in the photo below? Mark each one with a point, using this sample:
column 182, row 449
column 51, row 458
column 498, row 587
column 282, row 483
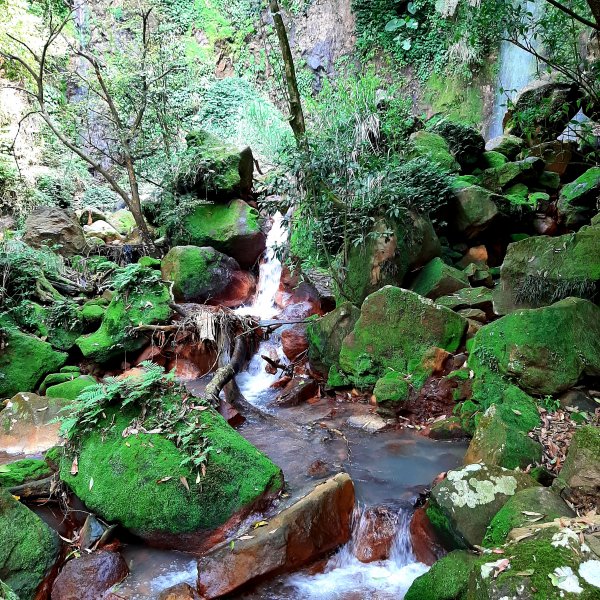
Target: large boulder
column 434, row 147
column 466, row 144
column 507, row 175
column 475, row 209
column 544, row 350
column 463, row 505
column 54, row 227
column 578, row 201
column 307, row 530
column 325, row 336
column 508, row 145
column 439, row 279
column 212, row 169
column 103, row 231
column 233, row 229
column 556, row 154
column 24, row 361
column 28, row 550
column 144, row 483
column 396, row 329
column 478, row 298
column 540, row 270
column 581, row 470
column 198, row 274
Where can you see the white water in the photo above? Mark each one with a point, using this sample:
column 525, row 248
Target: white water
column 517, row 69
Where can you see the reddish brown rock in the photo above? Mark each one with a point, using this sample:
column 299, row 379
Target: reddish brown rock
column 298, row 390
column 556, row 154
column 182, row 591
column 426, row 546
column 545, row 225
column 239, row 291
column 477, row 255
column 376, row 531
column 294, row 341
column 316, row 524
column 435, row 359
column 90, row 576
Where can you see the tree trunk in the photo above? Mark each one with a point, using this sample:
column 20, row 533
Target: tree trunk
column 595, row 8
column 135, row 206
column 295, row 103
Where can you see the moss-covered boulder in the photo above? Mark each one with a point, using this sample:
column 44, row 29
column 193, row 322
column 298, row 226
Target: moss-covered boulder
column 233, row 229
column 504, row 176
column 436, row 148
column 198, row 274
column 447, row 579
column 533, row 505
column 493, row 159
column 325, row 336
column 143, row 305
column 22, row 471
column 93, row 311
column 70, row 389
column 466, row 144
column 478, row 297
column 474, row 210
column 6, row 593
column 391, row 391
column 544, row 350
column 144, row 483
column 439, row 279
column 578, row 201
column 540, row 270
column 508, row 145
column 498, row 442
column 462, row 506
column 581, row 470
column 24, row 361
column 28, row 550
column 395, row 331
column 211, row 168
column 123, row 221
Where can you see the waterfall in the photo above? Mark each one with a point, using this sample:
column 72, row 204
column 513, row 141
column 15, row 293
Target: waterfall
column 517, row 68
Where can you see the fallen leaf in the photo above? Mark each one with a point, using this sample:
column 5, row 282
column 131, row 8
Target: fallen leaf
column 164, row 479
column 260, row 524
column 531, row 514
column 501, row 566
column 17, row 498
column 526, row 573
column 75, row 466
column 523, row 536
column 184, row 483
column 91, row 482
column 246, row 537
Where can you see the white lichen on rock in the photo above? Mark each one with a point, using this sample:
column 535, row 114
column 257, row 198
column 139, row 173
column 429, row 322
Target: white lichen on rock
column 473, row 492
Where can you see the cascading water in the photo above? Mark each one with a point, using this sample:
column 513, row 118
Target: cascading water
column 517, row 69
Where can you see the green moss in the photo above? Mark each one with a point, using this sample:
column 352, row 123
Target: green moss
column 463, row 181
column 150, row 262
column 126, row 474
column 25, row 361
column 434, row 147
column 70, row 369
column 6, row 593
column 577, row 200
column 69, row 390
column 549, row 180
column 93, row 312
column 443, row 527
column 55, row 379
column 391, row 389
column 439, row 279
column 122, row 221
column 28, row 550
column 21, row 471
column 493, row 159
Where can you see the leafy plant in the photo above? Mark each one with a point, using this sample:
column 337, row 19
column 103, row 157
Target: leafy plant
column 550, row 403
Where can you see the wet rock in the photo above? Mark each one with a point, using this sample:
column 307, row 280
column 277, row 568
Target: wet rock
column 26, row 425
column 439, row 279
column 578, row 201
column 473, row 314
column 463, row 505
column 581, row 471
column 54, row 227
column 297, row 391
column 324, row 284
column 89, row 576
column 475, row 210
column 579, row 400
column 314, row 525
column 368, row 423
column 29, row 548
column 556, row 154
column 294, row 341
column 508, row 145
column 425, row 544
column 449, row 428
column 104, row 231
column 90, row 533
column 181, row 591
column 545, row 225
column 240, row 290
column 374, row 536
column 538, row 271
column 391, row 392
column 545, row 350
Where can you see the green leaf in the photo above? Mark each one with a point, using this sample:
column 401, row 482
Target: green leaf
column 394, row 25
column 406, row 44
column 411, row 8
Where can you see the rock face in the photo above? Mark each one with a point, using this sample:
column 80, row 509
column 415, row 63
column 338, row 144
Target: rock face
column 326, row 335
column 231, row 228
column 51, row 226
column 395, row 331
column 89, row 576
column 578, row 201
column 581, row 471
column 474, row 210
column 375, row 534
column 121, row 480
column 439, row 279
column 24, row 362
column 25, row 424
column 463, row 505
column 316, row 524
column 28, row 550
column 545, row 350
column 198, row 274
column 540, row 270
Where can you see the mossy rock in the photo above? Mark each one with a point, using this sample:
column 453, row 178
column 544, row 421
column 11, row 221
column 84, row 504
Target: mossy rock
column 69, row 390
column 396, row 329
column 233, row 229
column 22, row 471
column 439, row 279
column 28, row 550
column 93, row 312
column 148, row 307
column 577, row 202
column 497, row 442
column 391, row 391
column 493, row 159
column 447, row 579
column 545, row 350
column 462, row 506
column 325, row 336
column 508, row 174
column 55, row 379
column 24, row 361
column 449, row 428
column 197, row 273
column 212, row 168
column 508, row 145
column 122, row 221
column 474, row 210
column 122, row 479
column 150, row 262
column 549, row 180
column 533, row 505
column 466, row 144
column 581, row 470
column 70, row 369
column 478, row 297
column 435, row 147
column 540, row 270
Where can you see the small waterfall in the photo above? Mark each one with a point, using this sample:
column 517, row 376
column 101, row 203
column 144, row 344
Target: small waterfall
column 344, row 574
column 517, row 69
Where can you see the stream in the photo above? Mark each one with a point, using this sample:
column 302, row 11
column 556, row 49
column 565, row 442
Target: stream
column 390, row 467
